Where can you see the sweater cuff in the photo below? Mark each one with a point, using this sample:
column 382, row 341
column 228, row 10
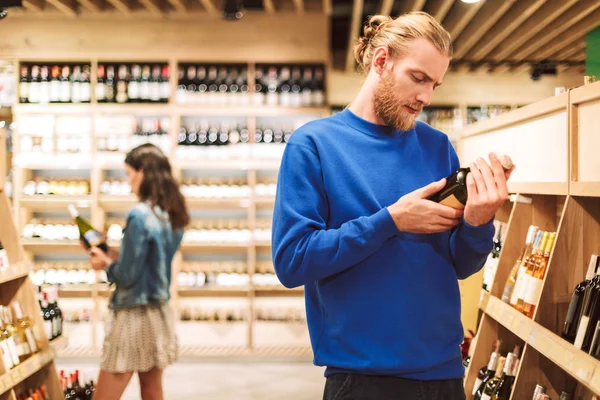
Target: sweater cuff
column 383, row 225
column 477, row 234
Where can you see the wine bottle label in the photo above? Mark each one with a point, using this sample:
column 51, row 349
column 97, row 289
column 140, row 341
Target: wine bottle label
column 31, row 341
column 133, row 90
column 14, row 352
column 24, row 91
column 55, row 91
column 145, row 90
column 486, row 397
column 452, row 201
column 6, row 355
column 165, row 90
column 476, row 386
column 524, row 286
column 54, row 327
column 92, row 237
column 100, row 91
column 508, row 291
column 65, row 92
column 534, row 290
column 22, row 346
column 85, row 92
column 583, row 324
column 48, row 329
column 34, row 92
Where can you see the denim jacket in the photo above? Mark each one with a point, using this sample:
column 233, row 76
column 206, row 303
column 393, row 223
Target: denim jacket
column 143, row 273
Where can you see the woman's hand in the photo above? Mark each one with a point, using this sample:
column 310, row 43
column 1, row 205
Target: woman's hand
column 98, row 259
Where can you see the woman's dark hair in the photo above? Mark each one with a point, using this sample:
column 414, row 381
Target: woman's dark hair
column 158, row 186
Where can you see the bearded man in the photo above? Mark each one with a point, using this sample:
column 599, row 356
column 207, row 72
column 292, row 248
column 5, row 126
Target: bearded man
column 379, row 262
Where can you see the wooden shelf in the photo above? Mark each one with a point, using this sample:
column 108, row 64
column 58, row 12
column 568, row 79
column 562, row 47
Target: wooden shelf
column 26, row 369
column 15, row 271
column 115, row 202
column 580, row 365
column 53, row 202
column 229, row 165
column 41, row 245
column 60, row 343
column 225, row 202
column 214, row 291
column 278, row 291
column 559, row 188
column 484, row 299
column 266, row 201
column 44, row 161
column 193, row 246
column 589, row 189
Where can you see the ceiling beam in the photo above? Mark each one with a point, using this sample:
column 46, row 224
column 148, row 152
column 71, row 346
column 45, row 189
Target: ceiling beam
column 355, row 24
column 579, row 56
column 551, row 10
column 569, row 19
column 568, row 52
column 209, row 6
column 68, row 7
column 179, row 5
column 438, row 8
column 122, row 5
column 511, row 21
column 412, row 5
column 327, row 8
column 386, row 7
column 95, row 6
column 152, row 5
column 571, row 35
column 459, row 17
column 269, row 6
column 299, row 5
column 489, row 14
column 33, row 5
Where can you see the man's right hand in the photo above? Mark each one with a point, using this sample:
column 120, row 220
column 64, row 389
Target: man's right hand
column 413, row 213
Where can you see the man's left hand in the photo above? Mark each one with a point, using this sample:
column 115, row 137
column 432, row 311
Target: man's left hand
column 486, row 190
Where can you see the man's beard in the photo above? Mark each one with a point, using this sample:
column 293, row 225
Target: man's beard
column 389, row 106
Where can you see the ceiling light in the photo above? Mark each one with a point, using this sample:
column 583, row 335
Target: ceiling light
column 470, row 1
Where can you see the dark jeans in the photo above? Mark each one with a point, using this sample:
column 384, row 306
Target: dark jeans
column 366, row 387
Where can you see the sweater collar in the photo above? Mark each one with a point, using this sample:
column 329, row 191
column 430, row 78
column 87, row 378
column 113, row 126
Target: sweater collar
column 367, row 127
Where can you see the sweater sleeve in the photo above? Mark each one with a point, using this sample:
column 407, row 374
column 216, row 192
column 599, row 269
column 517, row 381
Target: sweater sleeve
column 304, row 249
column 134, row 250
column 469, row 245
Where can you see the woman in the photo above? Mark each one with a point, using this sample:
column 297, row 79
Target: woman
column 140, row 333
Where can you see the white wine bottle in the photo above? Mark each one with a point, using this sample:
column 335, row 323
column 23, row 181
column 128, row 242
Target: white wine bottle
column 89, row 236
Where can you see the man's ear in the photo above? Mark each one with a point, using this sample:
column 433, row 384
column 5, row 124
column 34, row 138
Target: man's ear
column 380, row 60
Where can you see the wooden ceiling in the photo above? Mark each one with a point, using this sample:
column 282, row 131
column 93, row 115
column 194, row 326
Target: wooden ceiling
column 503, row 35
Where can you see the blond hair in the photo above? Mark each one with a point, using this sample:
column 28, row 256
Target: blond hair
column 396, row 33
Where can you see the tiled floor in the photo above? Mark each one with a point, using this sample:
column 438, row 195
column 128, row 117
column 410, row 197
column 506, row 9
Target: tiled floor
column 227, row 380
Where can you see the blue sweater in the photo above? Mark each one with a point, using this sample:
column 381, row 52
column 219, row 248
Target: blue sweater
column 378, row 301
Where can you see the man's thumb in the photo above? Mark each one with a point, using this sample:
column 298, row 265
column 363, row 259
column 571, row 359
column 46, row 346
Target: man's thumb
column 432, row 188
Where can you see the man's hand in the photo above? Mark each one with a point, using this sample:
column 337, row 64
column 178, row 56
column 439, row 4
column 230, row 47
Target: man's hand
column 98, row 259
column 486, row 190
column 415, row 214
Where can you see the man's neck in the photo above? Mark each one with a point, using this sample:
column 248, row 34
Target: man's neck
column 362, row 106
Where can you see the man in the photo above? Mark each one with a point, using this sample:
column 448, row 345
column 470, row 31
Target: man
column 379, row 262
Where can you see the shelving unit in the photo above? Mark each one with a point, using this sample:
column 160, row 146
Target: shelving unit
column 101, row 208
column 15, row 285
column 557, row 187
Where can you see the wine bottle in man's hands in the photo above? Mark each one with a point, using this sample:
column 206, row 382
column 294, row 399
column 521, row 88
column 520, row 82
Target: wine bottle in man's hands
column 454, row 194
column 89, row 236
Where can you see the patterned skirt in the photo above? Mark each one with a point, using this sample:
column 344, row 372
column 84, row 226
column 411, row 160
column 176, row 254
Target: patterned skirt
column 139, row 338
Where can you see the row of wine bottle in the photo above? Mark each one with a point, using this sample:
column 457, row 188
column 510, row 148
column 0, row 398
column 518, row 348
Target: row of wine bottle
column 235, row 314
column 76, row 387
column 4, row 263
column 69, row 83
column 63, row 274
column 491, row 265
column 40, row 393
column 65, row 143
column 495, row 380
column 46, row 186
column 539, row 393
column 50, row 311
column 133, row 83
column 524, row 284
column 17, row 339
column 37, row 230
column 226, row 279
column 582, row 323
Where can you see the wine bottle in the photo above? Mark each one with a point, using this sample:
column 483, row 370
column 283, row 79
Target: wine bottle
column 588, row 315
column 122, row 83
column 576, row 305
column 145, row 84
column 34, row 84
column 536, row 282
column 133, row 87
column 89, row 236
column 492, row 383
column 20, row 340
column 504, row 387
column 24, row 327
column 85, row 88
column 491, row 265
column 24, row 85
column 44, row 85
column 484, row 371
column 454, row 193
column 565, row 396
column 155, row 84
column 7, row 350
column 512, row 278
column 55, row 84
column 45, row 312
column 65, row 84
column 76, row 84
column 539, row 389
column 165, row 85
column 53, row 305
column 523, row 279
column 110, row 84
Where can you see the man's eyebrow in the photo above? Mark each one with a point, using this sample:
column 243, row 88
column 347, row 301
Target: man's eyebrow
column 427, row 77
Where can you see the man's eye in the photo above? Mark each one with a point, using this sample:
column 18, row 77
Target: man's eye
column 417, row 79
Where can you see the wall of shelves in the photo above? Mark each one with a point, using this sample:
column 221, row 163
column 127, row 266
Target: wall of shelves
column 254, row 166
column 553, row 205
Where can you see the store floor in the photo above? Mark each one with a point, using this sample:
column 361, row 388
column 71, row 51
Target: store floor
column 235, row 379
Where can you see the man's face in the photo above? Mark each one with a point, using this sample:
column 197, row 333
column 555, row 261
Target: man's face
column 407, row 84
